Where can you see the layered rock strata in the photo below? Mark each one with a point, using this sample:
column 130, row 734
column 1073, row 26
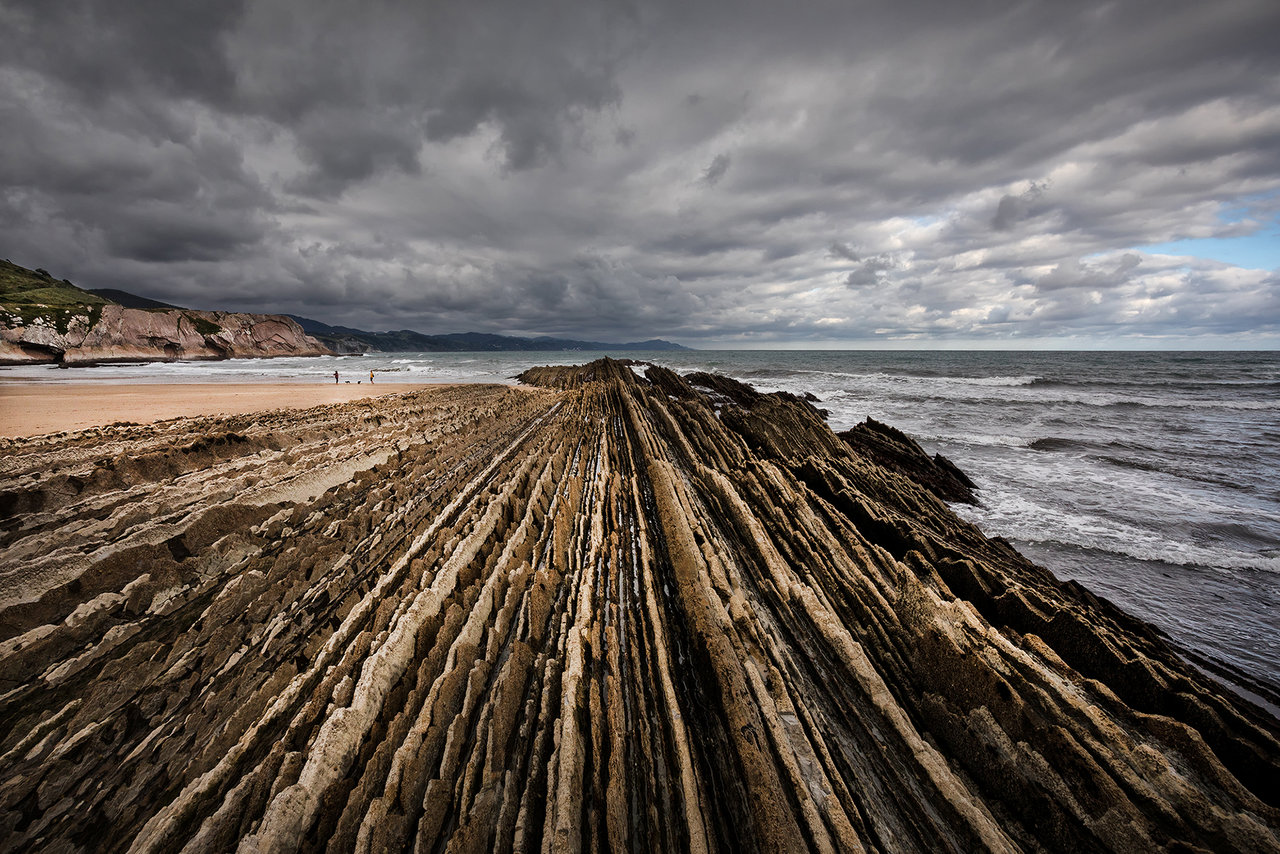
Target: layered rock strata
column 898, row 452
column 618, row 612
column 113, row 333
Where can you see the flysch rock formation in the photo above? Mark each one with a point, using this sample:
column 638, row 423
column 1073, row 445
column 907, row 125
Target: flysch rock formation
column 898, row 452
column 613, row 612
column 113, row 333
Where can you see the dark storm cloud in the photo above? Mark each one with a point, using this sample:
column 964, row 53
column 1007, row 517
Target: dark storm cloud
column 1013, row 209
column 1073, row 274
column 428, row 73
column 714, row 172
column 162, row 232
column 343, row 147
column 924, row 171
column 99, row 50
column 530, row 122
column 84, row 192
column 843, row 250
column 870, row 271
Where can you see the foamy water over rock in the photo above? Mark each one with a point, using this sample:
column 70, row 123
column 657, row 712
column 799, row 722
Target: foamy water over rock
column 613, row 612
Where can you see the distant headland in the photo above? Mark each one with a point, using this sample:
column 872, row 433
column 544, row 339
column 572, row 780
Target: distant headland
column 52, row 321
column 344, row 339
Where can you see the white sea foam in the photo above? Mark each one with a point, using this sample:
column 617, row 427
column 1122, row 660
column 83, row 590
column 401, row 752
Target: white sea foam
column 1027, row 520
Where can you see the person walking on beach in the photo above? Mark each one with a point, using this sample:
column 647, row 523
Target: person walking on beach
column 335, row 377
column 371, row 378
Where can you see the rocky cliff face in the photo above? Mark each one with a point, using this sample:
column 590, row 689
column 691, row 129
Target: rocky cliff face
column 113, row 333
column 613, row 613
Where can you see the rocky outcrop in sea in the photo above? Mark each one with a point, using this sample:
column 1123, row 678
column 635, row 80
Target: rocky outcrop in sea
column 622, row 610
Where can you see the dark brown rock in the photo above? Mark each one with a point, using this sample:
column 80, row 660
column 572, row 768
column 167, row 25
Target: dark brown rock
column 896, row 451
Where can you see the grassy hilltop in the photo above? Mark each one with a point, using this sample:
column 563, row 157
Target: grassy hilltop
column 28, row 295
column 22, row 287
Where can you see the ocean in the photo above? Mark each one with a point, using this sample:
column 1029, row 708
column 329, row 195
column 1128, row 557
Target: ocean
column 1151, row 478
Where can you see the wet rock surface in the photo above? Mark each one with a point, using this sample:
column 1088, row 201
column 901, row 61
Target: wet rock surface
column 898, row 452
column 616, row 612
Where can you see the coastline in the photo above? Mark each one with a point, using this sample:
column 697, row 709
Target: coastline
column 674, row 612
column 32, row 409
column 1101, row 455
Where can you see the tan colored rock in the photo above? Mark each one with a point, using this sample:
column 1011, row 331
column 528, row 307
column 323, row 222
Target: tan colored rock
column 43, row 338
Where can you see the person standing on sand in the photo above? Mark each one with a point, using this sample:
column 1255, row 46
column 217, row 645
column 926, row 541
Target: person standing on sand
column 335, row 377
column 371, row 378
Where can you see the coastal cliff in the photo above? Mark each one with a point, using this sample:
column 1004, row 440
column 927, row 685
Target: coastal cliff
column 48, row 320
column 112, row 333
column 620, row 610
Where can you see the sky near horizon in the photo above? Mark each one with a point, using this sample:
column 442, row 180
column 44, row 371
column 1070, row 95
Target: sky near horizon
column 758, row 174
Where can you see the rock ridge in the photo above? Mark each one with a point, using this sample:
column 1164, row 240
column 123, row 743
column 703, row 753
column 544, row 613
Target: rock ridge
column 621, row 610
column 896, row 451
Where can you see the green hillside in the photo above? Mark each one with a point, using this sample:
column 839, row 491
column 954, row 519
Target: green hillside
column 20, row 286
column 28, row 295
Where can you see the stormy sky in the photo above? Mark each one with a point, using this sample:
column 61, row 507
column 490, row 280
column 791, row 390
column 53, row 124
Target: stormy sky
column 846, row 174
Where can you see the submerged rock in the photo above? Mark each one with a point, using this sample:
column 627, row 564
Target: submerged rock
column 618, row 612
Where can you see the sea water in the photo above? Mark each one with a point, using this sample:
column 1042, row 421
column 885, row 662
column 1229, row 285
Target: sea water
column 1151, row 478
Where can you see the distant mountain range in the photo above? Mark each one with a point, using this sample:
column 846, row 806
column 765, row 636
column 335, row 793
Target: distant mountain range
column 344, row 339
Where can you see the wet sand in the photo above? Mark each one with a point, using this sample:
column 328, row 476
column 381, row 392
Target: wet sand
column 33, row 409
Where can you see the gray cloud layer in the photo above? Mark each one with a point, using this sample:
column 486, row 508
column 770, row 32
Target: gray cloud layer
column 825, row 173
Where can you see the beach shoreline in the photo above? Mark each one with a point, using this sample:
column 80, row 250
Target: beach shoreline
column 34, row 409
column 617, row 580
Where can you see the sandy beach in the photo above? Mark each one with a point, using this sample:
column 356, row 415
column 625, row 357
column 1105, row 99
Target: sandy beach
column 33, row 409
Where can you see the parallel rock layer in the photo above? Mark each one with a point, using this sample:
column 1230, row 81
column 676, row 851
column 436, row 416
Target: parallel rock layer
column 614, row 613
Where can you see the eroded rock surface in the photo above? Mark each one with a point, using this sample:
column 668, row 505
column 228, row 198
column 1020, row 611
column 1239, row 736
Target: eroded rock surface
column 113, row 333
column 898, row 452
column 614, row 613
